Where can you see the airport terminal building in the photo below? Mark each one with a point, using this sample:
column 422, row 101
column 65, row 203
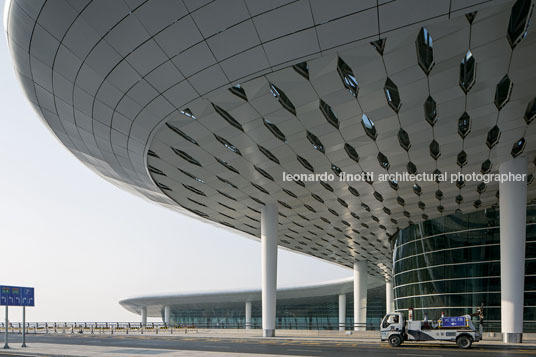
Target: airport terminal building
column 211, row 108
column 327, row 306
column 452, row 264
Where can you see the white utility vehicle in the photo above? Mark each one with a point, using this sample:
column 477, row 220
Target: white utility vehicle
column 460, row 329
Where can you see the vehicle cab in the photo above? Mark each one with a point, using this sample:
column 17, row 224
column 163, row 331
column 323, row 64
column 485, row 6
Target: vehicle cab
column 393, row 324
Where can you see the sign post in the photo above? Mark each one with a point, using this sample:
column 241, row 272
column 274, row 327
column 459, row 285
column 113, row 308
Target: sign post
column 23, row 326
column 16, row 296
column 6, row 345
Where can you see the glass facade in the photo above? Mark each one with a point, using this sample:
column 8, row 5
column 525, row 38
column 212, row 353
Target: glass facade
column 311, row 313
column 452, row 264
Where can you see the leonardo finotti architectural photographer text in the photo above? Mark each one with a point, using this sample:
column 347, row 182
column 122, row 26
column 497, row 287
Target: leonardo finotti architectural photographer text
column 405, row 177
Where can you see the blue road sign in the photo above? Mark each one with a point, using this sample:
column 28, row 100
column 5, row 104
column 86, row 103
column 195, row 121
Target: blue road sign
column 458, row 321
column 16, row 296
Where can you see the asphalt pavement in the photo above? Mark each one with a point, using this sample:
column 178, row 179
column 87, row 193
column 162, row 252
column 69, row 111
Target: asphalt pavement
column 166, row 345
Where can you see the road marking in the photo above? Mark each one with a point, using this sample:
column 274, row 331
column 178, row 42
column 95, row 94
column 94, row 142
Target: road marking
column 297, row 350
column 413, row 354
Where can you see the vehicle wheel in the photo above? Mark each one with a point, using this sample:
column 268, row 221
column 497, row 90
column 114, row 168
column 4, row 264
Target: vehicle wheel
column 464, row 342
column 395, row 340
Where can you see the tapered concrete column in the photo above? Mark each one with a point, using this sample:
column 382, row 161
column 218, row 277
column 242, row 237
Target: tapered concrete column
column 513, row 212
column 342, row 312
column 167, row 314
column 389, row 302
column 248, row 315
column 269, row 268
column 360, row 295
column 144, row 315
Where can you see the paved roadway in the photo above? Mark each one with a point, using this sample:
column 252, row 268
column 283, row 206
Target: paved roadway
column 277, row 346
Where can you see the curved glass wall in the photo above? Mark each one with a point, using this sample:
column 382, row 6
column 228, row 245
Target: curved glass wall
column 310, row 313
column 451, row 264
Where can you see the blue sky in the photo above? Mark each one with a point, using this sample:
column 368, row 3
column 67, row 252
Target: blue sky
column 85, row 244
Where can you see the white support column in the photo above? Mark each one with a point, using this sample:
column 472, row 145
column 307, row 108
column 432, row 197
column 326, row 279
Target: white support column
column 342, row 312
column 269, row 268
column 167, row 314
column 360, row 295
column 389, row 302
column 513, row 211
column 248, row 315
column 144, row 315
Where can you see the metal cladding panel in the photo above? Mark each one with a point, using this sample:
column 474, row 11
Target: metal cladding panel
column 108, row 76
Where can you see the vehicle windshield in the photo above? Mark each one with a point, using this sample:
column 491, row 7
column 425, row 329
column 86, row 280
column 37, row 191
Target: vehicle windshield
column 390, row 320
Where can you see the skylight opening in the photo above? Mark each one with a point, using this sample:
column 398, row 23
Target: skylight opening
column 367, row 122
column 530, row 111
column 403, row 139
column 383, row 161
column 329, row 114
column 290, row 193
column 228, row 117
column 369, row 127
column 425, row 51
column 350, row 80
column 518, row 147
column 519, row 21
column 187, row 112
column 193, row 177
column 317, row 144
column 226, row 182
column 181, row 133
column 260, row 188
column 347, row 77
column 412, row 168
column 268, row 154
column 303, row 69
column 226, row 195
column 263, row 173
column 153, row 154
column 154, row 170
column 468, row 56
column 464, row 125
column 274, row 91
column 392, row 95
column 226, row 165
column 228, row 145
column 239, row 91
column 309, row 208
column 305, row 163
column 467, row 72
column 353, row 191
column 185, row 156
column 283, row 99
column 326, row 186
column 337, row 170
column 430, row 110
column 427, row 38
column 274, row 130
column 351, row 151
column 318, row 198
column 194, row 190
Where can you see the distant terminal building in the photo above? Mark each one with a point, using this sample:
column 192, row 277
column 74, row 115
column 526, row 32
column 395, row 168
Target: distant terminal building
column 325, row 306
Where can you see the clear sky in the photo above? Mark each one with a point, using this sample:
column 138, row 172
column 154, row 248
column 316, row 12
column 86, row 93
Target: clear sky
column 85, row 244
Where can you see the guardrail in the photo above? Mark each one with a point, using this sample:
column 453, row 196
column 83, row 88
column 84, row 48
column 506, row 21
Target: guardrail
column 95, row 328
column 160, row 327
column 151, row 327
column 495, row 326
